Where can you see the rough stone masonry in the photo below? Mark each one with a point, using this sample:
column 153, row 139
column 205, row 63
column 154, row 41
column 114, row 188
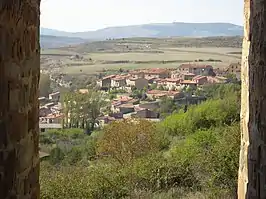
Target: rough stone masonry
column 252, row 163
column 19, row 80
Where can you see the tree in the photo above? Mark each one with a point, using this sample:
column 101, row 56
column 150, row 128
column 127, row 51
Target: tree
column 82, row 110
column 167, row 106
column 252, row 165
column 96, row 103
column 128, row 139
column 19, row 81
column 45, row 85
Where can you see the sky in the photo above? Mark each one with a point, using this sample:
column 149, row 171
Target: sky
column 86, row 15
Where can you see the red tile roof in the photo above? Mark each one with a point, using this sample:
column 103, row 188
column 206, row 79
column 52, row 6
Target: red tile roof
column 117, row 78
column 198, row 77
column 173, row 79
column 188, row 82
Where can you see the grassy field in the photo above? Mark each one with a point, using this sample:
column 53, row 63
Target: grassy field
column 152, row 60
column 95, row 68
column 146, row 53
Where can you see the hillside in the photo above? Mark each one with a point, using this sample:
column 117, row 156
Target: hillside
column 48, row 41
column 155, row 44
column 155, row 30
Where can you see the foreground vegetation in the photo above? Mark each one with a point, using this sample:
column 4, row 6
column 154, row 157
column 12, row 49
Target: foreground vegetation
column 188, row 155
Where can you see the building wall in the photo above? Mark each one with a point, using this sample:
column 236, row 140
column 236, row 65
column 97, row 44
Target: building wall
column 202, row 81
column 118, row 83
column 106, row 82
column 146, row 114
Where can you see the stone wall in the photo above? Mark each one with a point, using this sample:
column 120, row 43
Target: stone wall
column 252, row 164
column 19, row 79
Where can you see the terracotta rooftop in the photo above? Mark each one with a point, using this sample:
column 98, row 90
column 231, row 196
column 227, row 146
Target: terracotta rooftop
column 53, row 116
column 188, row 82
column 173, row 79
column 118, row 78
column 156, row 70
column 121, row 99
column 198, row 77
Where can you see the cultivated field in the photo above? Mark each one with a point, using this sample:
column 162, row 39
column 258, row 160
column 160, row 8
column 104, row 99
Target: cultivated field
column 144, row 53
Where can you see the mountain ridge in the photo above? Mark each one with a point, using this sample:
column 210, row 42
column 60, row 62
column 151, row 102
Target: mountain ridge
column 154, row 30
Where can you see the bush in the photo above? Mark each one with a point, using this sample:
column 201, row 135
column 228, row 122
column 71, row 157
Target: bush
column 188, row 155
column 206, row 115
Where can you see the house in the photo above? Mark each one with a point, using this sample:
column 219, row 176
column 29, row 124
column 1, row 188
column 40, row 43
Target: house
column 105, row 82
column 190, row 83
column 217, row 80
column 116, row 103
column 139, row 83
column 175, row 94
column 160, row 82
column 44, row 126
column 150, row 105
column 145, row 113
column 187, row 76
column 44, row 111
column 157, row 73
column 171, row 84
column 196, row 69
column 151, row 80
column 118, row 82
column 157, row 94
column 200, row 80
column 220, row 72
column 175, row 74
column 51, row 118
column 126, row 108
column 137, row 74
column 54, row 96
column 234, row 68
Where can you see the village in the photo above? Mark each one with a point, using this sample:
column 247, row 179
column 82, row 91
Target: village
column 139, row 93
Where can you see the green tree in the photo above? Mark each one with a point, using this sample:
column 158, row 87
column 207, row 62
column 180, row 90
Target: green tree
column 56, row 156
column 82, row 110
column 45, row 85
column 167, row 106
column 128, row 139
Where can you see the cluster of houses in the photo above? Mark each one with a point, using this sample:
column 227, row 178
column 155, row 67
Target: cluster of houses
column 157, row 84
column 50, row 111
column 168, row 79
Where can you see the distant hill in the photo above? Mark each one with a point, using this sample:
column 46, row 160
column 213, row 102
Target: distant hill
column 49, row 41
column 155, row 30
